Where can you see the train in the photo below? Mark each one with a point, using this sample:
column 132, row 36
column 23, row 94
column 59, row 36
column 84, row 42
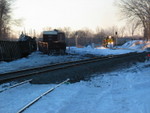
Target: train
column 53, row 42
column 11, row 50
column 109, row 42
column 27, row 44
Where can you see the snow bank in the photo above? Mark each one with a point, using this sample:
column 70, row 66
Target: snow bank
column 136, row 44
column 34, row 60
column 100, row 51
column 128, row 47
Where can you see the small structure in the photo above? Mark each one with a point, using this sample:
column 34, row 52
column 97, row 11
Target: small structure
column 53, row 42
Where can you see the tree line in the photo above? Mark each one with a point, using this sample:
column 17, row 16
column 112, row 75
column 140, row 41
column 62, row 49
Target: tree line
column 5, row 16
column 136, row 11
column 84, row 37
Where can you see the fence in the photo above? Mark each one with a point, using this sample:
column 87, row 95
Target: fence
column 9, row 50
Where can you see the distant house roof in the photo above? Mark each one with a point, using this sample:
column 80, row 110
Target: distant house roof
column 50, row 32
column 24, row 37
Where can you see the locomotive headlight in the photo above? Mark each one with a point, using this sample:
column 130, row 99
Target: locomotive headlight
column 112, row 43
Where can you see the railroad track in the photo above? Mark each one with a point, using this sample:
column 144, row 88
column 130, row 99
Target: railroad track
column 15, row 85
column 39, row 97
column 60, row 66
column 4, row 77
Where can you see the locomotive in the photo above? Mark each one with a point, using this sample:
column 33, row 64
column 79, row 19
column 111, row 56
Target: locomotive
column 108, row 42
column 53, row 42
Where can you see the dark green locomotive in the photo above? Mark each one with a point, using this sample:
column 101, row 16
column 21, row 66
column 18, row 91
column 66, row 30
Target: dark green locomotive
column 53, row 42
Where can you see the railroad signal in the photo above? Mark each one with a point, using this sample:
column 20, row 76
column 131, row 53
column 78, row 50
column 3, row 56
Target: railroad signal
column 116, row 37
column 116, row 33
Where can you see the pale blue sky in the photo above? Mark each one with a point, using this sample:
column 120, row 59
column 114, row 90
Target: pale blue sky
column 76, row 14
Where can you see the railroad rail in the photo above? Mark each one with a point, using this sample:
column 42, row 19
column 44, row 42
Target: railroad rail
column 39, row 97
column 15, row 85
column 33, row 71
column 48, row 69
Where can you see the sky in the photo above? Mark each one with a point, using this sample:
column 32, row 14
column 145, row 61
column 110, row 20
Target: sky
column 76, row 14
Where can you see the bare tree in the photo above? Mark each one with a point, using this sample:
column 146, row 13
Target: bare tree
column 111, row 30
column 137, row 10
column 5, row 17
column 122, row 31
column 132, row 27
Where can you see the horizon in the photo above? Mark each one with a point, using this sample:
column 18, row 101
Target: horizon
column 79, row 14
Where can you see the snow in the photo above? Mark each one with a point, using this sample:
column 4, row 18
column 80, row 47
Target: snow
column 131, row 46
column 100, row 51
column 34, row 60
column 39, row 59
column 122, row 91
column 137, row 44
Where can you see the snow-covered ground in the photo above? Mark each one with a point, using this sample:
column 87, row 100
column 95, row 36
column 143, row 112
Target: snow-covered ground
column 137, row 44
column 124, row 91
column 38, row 59
column 100, row 51
column 131, row 46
